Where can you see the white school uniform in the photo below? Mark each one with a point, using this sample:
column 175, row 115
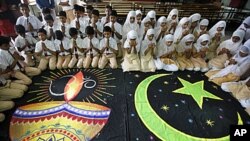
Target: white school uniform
column 49, row 44
column 66, row 46
column 128, row 26
column 99, row 26
column 95, row 43
column 179, row 29
column 147, row 61
column 33, row 20
column 131, row 61
column 169, row 18
column 219, row 61
column 162, row 49
column 118, row 28
column 67, row 27
column 83, row 25
column 20, row 42
column 246, row 30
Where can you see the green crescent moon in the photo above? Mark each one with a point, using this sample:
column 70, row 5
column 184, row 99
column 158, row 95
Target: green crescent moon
column 158, row 126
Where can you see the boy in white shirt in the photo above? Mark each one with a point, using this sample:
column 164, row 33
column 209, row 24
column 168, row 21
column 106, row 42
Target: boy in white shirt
column 91, row 43
column 116, row 31
column 30, row 22
column 62, row 45
column 77, row 50
column 45, row 51
column 63, row 25
column 78, row 23
column 106, row 19
column 25, row 44
column 50, row 27
column 98, row 27
column 13, row 65
column 109, row 50
column 68, row 6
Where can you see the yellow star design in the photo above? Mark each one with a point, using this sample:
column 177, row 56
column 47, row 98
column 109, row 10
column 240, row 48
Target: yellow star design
column 195, row 90
column 210, row 123
column 165, row 108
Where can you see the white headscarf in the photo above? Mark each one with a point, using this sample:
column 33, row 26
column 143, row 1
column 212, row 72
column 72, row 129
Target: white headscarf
column 146, row 19
column 150, row 32
column 162, row 48
column 130, row 14
column 162, row 19
column 241, row 66
column 195, row 17
column 179, row 30
column 213, row 30
column 198, row 46
column 130, row 26
column 146, row 41
column 151, row 14
column 230, row 45
column 137, row 12
column 171, row 13
column 132, row 35
column 182, row 45
column 247, row 30
column 204, row 22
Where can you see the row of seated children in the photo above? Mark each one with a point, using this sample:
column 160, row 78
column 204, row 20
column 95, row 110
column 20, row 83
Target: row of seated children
column 14, row 75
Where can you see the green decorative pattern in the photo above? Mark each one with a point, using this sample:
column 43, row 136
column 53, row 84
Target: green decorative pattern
column 158, row 126
column 196, row 91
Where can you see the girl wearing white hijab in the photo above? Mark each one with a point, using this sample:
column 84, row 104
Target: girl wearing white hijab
column 227, row 49
column 152, row 16
column 173, row 19
column 245, row 26
column 138, row 17
column 217, row 33
column 236, row 67
column 202, row 28
column 181, row 30
column 199, row 53
column 130, row 24
column 162, row 28
column 148, row 51
column 131, row 61
column 184, row 52
column 145, row 26
column 194, row 19
column 166, row 54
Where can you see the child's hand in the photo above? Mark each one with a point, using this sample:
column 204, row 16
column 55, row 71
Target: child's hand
column 44, row 47
column 173, row 24
column 203, row 54
column 77, row 24
column 30, row 27
column 232, row 62
column 185, row 32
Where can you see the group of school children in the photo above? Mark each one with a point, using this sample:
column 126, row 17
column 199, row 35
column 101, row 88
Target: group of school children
column 141, row 44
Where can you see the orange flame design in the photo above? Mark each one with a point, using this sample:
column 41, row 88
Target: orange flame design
column 73, row 87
